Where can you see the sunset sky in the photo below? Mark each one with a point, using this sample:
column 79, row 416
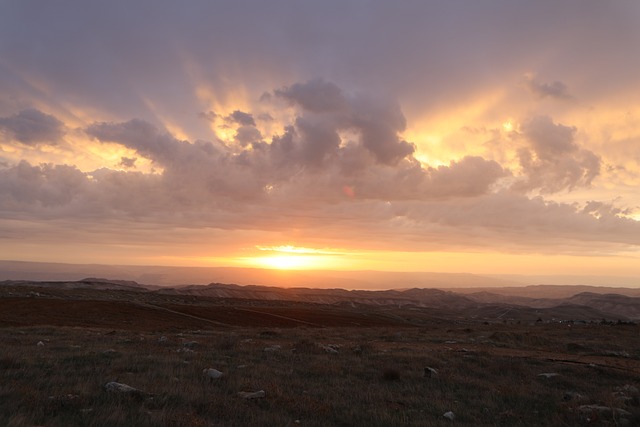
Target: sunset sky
column 448, row 136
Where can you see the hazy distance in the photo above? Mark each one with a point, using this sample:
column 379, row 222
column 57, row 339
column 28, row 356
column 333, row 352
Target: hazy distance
column 172, row 276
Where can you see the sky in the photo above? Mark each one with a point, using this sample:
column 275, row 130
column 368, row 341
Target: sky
column 493, row 137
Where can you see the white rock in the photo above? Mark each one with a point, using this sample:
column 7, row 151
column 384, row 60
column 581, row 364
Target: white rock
column 252, row 394
column 272, row 348
column 120, row 388
column 40, row 344
column 330, row 349
column 213, row 374
column 449, row 415
column 430, row 372
column 549, row 374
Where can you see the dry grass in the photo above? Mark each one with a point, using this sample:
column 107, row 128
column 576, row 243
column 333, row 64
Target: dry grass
column 488, row 375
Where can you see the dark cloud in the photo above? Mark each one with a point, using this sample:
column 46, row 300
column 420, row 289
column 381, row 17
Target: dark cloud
column 241, row 118
column 247, row 134
column 148, row 141
column 552, row 161
column 378, row 122
column 316, row 96
column 380, row 127
column 306, row 164
column 128, row 162
column 32, row 189
column 319, row 141
column 32, row 127
column 556, row 89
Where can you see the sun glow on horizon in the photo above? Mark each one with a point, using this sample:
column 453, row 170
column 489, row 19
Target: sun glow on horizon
column 289, row 257
column 286, row 262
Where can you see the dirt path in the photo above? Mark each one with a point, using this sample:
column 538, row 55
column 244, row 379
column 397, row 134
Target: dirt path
column 168, row 310
column 304, row 322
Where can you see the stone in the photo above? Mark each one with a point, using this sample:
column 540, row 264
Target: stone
column 449, row 415
column 430, row 372
column 548, row 375
column 117, row 387
column 212, row 374
column 252, row 394
column 572, row 396
column 331, row 349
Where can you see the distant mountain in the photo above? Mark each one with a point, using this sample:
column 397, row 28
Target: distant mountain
column 444, row 304
column 461, row 295
column 609, row 303
column 545, row 291
column 173, row 276
column 88, row 283
column 415, row 297
column 623, row 306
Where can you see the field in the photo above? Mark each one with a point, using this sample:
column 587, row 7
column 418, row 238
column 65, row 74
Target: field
column 317, row 365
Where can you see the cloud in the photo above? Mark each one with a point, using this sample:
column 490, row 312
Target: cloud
column 210, row 116
column 247, row 134
column 514, row 222
column 307, row 163
column 556, row 89
column 316, row 96
column 468, row 218
column 241, row 118
column 338, row 164
column 143, row 137
column 32, row 127
column 378, row 122
column 37, row 189
column 128, row 162
column 551, row 160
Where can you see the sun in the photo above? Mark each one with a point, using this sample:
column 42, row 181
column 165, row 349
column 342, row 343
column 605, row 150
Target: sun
column 289, row 257
column 286, row 262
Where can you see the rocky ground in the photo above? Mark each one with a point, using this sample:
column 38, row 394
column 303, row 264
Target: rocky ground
column 121, row 359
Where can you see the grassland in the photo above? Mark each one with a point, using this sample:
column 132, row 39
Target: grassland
column 488, row 374
column 318, row 364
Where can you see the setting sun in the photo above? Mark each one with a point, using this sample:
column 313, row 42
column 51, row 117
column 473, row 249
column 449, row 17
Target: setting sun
column 286, row 262
column 289, row 257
